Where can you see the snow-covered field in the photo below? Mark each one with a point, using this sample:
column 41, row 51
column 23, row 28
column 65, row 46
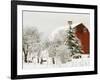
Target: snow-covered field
column 84, row 61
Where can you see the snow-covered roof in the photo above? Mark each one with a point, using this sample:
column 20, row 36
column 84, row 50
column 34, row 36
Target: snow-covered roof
column 74, row 25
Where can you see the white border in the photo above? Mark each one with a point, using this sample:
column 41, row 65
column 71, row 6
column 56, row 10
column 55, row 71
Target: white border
column 52, row 70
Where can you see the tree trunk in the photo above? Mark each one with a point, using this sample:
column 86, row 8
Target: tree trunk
column 41, row 61
column 24, row 50
column 37, row 60
column 25, row 55
column 53, row 60
column 25, row 59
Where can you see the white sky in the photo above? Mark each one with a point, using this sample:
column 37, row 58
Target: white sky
column 47, row 22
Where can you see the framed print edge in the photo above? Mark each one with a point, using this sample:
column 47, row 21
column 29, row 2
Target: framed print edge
column 13, row 39
column 96, row 39
column 14, row 32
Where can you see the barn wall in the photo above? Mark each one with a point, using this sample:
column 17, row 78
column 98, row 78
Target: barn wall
column 82, row 34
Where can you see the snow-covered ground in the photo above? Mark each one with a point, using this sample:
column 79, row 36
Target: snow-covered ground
column 84, row 61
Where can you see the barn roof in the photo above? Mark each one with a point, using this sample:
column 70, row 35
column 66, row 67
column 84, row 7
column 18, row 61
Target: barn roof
column 80, row 25
column 75, row 25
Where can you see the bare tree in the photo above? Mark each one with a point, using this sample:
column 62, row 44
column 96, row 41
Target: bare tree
column 30, row 37
column 52, row 51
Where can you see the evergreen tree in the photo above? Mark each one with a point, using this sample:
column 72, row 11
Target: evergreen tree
column 72, row 41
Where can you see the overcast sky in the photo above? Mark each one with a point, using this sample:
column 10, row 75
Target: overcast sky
column 47, row 22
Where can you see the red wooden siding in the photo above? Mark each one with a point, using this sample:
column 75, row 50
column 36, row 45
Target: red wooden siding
column 82, row 34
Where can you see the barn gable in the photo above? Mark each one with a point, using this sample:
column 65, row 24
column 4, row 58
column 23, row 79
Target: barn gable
column 82, row 34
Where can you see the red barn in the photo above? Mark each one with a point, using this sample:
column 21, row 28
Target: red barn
column 82, row 34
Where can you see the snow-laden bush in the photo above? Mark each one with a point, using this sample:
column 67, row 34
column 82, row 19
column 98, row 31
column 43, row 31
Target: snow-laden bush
column 58, row 35
column 64, row 53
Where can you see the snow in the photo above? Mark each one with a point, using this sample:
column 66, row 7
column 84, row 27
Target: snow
column 44, row 54
column 57, row 33
column 57, row 51
column 84, row 61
